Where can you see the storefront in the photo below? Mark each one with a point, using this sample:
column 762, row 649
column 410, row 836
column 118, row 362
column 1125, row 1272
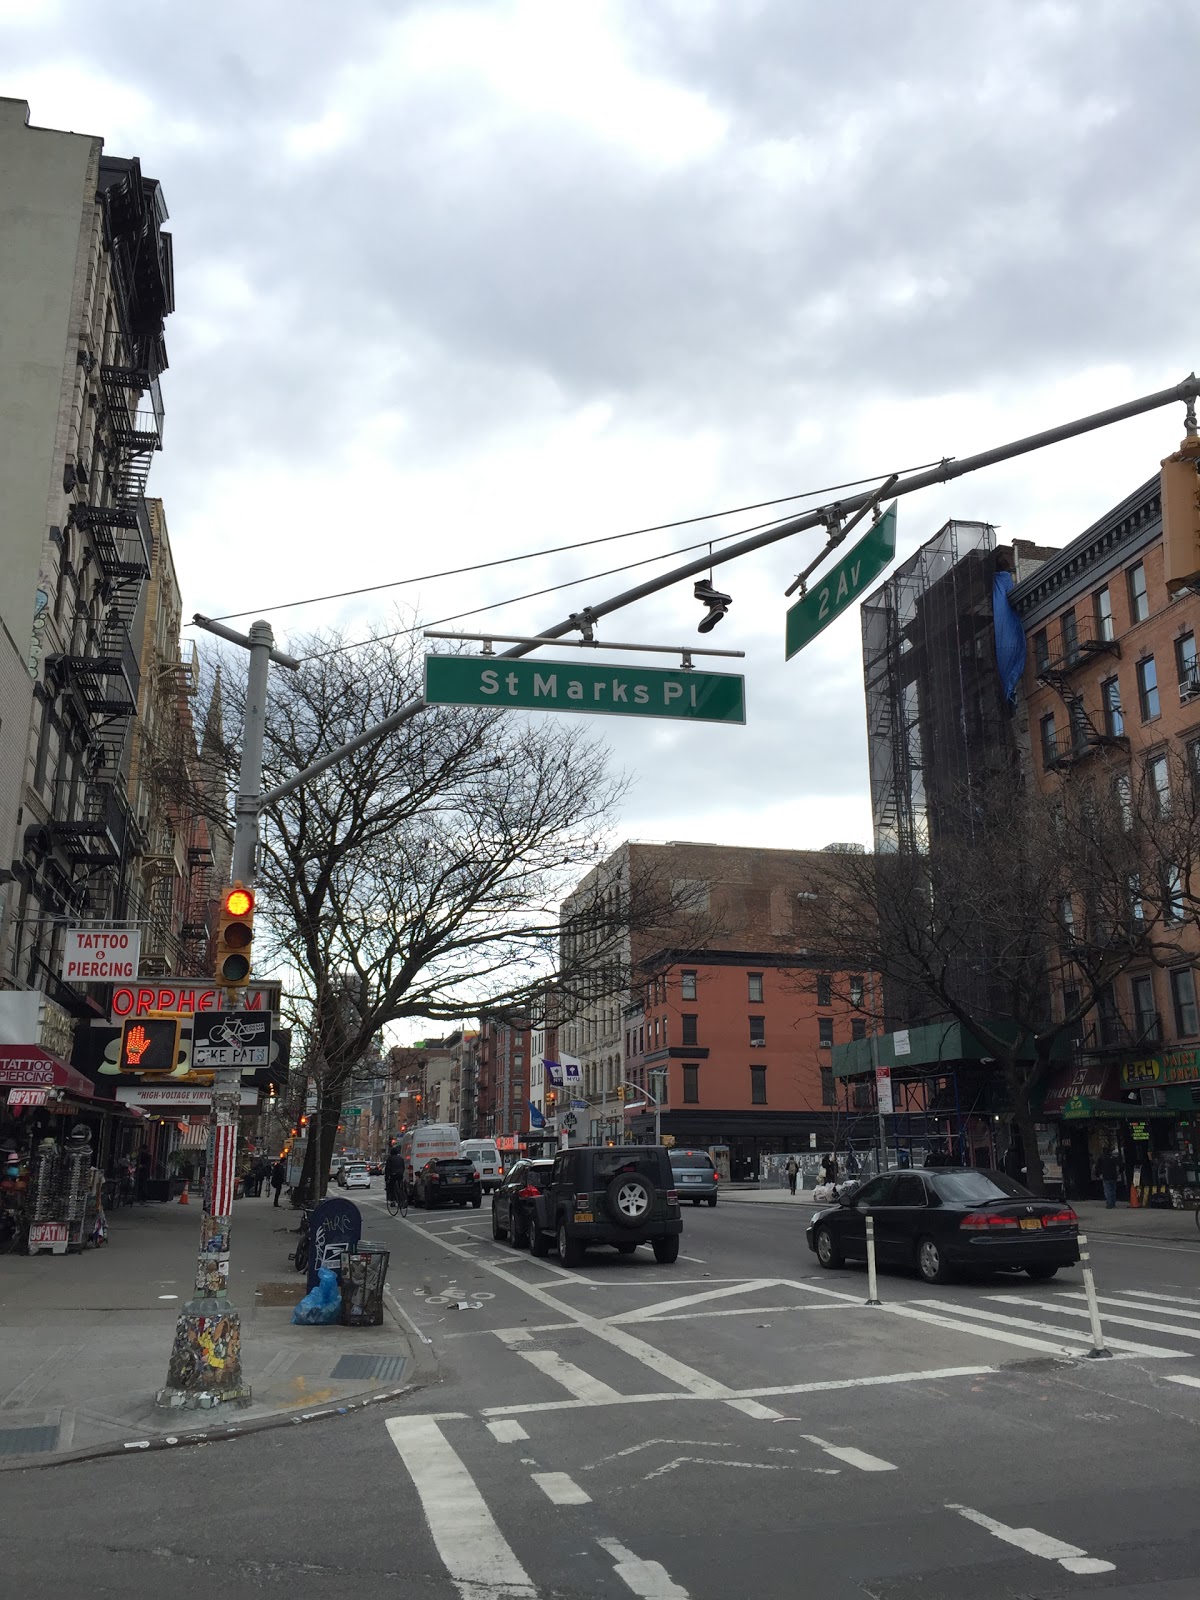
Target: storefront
column 1122, row 1108
column 51, row 1134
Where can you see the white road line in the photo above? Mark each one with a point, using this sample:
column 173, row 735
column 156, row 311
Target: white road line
column 506, row 1432
column 641, row 1313
column 1034, row 1543
column 511, row 1335
column 400, row 1312
column 1179, row 1377
column 768, row 1392
column 1001, row 1335
column 851, row 1456
column 649, row 1580
column 574, row 1379
column 1163, row 1305
column 755, row 1408
column 745, row 1311
column 1058, row 1309
column 476, row 1555
column 560, row 1489
column 996, row 1318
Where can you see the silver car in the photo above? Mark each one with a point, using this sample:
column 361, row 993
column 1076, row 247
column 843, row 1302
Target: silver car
column 696, row 1177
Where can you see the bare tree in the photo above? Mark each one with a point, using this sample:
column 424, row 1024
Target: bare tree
column 1015, row 926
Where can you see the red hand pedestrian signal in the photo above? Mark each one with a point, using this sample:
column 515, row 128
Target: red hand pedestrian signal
column 137, row 1042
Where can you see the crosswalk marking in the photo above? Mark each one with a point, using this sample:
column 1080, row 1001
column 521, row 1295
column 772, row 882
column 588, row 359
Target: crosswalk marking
column 1002, row 1335
column 574, row 1379
column 561, row 1489
column 851, row 1456
column 997, row 1320
column 649, row 1580
column 643, row 1313
column 478, row 1558
column 1034, row 1543
column 1179, row 1377
column 506, row 1431
column 1140, row 1302
column 1108, row 1316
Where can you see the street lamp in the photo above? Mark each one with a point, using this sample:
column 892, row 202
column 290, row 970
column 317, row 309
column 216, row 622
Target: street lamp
column 647, row 1098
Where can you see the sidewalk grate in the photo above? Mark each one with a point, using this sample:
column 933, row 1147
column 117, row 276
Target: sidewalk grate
column 28, row 1441
column 359, row 1367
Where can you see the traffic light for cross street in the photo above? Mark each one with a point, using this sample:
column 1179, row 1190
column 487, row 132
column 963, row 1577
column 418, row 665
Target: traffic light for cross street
column 235, row 936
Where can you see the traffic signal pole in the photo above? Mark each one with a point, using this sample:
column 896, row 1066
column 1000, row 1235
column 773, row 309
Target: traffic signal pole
column 205, row 1365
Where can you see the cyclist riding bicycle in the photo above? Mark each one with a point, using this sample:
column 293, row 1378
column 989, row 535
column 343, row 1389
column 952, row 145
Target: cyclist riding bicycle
column 393, row 1173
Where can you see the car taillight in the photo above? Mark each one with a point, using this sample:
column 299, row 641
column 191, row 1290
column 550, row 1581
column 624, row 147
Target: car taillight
column 583, row 1202
column 672, row 1197
column 716, row 1177
column 1060, row 1217
column 528, row 1192
column 433, row 1178
column 987, row 1219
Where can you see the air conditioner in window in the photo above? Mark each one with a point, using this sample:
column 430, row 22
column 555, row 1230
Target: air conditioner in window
column 1188, row 691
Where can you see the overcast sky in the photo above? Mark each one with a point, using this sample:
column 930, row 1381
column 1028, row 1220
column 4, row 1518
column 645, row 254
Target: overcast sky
column 457, row 281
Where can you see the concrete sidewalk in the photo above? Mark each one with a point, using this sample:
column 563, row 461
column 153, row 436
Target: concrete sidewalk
column 1095, row 1219
column 84, row 1340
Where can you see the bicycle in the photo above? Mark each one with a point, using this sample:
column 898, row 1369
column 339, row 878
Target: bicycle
column 397, row 1199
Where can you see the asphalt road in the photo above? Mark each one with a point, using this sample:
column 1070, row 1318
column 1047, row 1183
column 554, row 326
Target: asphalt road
column 737, row 1425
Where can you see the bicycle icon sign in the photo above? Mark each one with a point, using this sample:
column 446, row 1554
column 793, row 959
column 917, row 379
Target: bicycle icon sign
column 231, row 1039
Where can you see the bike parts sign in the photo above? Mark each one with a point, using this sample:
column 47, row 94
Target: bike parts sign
column 231, row 1039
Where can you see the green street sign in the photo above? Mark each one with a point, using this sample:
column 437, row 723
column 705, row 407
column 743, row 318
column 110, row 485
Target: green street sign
column 842, row 584
column 581, row 687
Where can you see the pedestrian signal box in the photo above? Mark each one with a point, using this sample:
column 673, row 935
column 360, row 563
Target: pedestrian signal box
column 149, row 1045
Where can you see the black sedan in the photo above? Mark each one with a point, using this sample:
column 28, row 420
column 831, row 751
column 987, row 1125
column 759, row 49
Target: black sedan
column 512, row 1203
column 452, row 1182
column 940, row 1219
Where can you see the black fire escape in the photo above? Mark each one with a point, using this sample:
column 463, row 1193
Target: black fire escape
column 196, row 932
column 1081, row 739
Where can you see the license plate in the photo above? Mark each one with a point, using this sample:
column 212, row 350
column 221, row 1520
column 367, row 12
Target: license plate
column 458, row 1180
column 691, row 1177
column 583, row 1216
column 1031, row 1222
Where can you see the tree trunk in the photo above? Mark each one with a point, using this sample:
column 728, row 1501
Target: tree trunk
column 1019, row 1092
column 314, row 1180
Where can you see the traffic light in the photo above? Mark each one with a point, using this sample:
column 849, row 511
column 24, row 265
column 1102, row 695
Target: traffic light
column 235, row 934
column 620, row 1091
column 1179, row 488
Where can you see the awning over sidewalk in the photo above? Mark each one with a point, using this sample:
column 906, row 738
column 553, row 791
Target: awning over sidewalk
column 1078, row 1092
column 933, row 1047
column 28, row 1066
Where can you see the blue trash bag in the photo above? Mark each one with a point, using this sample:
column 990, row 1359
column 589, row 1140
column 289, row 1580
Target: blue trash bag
column 322, row 1304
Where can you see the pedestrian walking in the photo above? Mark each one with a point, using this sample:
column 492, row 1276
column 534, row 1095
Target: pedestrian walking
column 1106, row 1171
column 829, row 1168
column 793, row 1172
column 851, row 1163
column 278, row 1174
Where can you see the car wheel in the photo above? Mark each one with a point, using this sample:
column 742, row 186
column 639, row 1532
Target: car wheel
column 666, row 1250
column 931, row 1263
column 627, row 1248
column 570, row 1251
column 497, row 1231
column 712, row 1199
column 477, row 1203
column 629, row 1199
column 1041, row 1272
column 539, row 1242
column 518, row 1233
column 829, row 1251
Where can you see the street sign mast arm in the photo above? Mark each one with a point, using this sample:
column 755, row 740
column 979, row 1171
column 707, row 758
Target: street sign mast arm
column 946, row 470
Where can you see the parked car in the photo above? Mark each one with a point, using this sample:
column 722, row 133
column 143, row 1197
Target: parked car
column 513, row 1201
column 448, row 1181
column 621, row 1195
column 942, row 1220
column 489, row 1164
column 696, row 1175
column 375, row 1168
column 354, row 1176
column 431, row 1141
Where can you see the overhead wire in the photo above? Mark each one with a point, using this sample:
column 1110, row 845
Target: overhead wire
column 578, row 544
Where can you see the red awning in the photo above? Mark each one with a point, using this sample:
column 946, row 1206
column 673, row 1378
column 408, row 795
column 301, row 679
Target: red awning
column 1090, row 1083
column 27, row 1066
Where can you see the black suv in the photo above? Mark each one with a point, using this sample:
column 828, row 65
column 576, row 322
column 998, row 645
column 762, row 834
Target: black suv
column 448, row 1183
column 622, row 1195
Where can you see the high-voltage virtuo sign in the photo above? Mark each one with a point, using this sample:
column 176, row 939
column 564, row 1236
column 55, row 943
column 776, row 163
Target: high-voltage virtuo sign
column 842, row 585
column 516, row 685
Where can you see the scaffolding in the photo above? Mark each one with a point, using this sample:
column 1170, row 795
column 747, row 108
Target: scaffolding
column 938, row 731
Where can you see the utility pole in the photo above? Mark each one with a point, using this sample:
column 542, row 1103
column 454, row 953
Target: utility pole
column 205, row 1366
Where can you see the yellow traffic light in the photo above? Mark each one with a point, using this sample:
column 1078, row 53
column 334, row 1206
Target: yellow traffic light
column 1179, row 489
column 620, row 1091
column 235, row 935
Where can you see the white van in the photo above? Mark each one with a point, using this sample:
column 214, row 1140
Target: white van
column 487, row 1160
column 435, row 1141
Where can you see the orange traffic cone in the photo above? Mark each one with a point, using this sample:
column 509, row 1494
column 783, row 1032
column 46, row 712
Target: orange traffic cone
column 1134, row 1198
column 183, row 1198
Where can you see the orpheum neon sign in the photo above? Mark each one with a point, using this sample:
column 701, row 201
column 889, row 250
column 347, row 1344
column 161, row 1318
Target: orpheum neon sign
column 140, row 1002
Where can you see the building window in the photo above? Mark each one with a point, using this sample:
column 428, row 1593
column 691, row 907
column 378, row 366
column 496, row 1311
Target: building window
column 689, row 1021
column 687, row 984
column 1049, row 740
column 825, row 1032
column 1183, row 997
column 1139, row 603
column 758, row 1086
column 758, row 1032
column 1104, row 616
column 1110, row 697
column 1145, row 1017
column 691, row 1083
column 1066, row 919
column 1123, row 790
column 856, row 991
column 1147, row 676
column 1159, row 775
column 824, row 989
column 1070, row 636
column 1173, row 895
column 828, row 1087
column 754, row 983
column 858, row 1027
column 1133, row 887
column 1185, row 661
column 1041, row 650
